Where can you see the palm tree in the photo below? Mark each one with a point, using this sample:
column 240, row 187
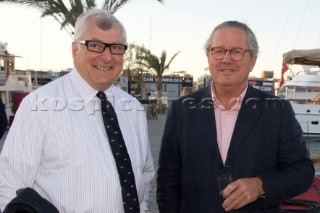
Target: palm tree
column 159, row 66
column 134, row 63
column 67, row 16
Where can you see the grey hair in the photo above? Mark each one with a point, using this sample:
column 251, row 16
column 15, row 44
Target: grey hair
column 103, row 19
column 252, row 40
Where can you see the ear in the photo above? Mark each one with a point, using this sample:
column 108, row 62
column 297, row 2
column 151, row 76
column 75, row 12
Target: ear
column 253, row 62
column 74, row 49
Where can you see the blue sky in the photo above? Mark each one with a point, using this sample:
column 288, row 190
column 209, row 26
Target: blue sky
column 176, row 25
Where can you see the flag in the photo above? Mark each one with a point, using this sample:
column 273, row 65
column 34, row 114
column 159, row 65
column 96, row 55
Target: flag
column 284, row 69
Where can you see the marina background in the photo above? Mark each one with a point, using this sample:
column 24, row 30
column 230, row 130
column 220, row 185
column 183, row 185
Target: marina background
column 180, row 25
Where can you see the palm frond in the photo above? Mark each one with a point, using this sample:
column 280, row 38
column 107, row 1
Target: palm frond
column 113, row 5
column 64, row 15
column 173, row 57
column 90, row 4
column 23, row 2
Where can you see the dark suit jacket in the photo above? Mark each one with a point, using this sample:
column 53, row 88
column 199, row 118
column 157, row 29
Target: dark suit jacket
column 29, row 201
column 267, row 142
column 3, row 119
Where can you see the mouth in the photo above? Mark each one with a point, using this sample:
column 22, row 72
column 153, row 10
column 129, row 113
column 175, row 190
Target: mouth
column 226, row 71
column 99, row 67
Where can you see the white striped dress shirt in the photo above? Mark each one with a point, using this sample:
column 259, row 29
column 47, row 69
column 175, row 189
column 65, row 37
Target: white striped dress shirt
column 58, row 146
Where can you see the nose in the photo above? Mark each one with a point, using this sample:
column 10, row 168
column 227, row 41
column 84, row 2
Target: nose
column 106, row 54
column 227, row 56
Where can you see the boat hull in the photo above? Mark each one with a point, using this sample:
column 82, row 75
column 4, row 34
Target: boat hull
column 308, row 115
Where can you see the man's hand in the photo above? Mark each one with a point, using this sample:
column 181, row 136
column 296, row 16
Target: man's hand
column 242, row 192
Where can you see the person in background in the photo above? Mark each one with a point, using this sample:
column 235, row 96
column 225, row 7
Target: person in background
column 62, row 146
column 186, row 91
column 153, row 109
column 3, row 119
column 231, row 128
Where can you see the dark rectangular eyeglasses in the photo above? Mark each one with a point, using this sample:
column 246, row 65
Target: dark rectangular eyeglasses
column 99, row 47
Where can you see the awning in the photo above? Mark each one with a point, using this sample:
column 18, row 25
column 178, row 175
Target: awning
column 303, row 57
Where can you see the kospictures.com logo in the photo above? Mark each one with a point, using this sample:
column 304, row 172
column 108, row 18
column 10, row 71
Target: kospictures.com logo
column 37, row 103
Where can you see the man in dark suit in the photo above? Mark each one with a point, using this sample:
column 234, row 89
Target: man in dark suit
column 231, row 128
column 3, row 119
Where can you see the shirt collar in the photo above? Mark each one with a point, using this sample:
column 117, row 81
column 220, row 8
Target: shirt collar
column 85, row 90
column 221, row 107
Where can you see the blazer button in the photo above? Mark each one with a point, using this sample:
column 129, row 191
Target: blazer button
column 220, row 166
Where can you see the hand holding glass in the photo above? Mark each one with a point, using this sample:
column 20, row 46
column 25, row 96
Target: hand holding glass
column 223, row 182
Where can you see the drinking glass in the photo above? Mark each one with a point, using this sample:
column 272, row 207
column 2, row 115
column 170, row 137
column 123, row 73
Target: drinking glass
column 223, row 182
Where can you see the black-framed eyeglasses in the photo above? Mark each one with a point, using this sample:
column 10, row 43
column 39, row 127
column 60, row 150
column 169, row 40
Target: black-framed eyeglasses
column 235, row 53
column 99, row 47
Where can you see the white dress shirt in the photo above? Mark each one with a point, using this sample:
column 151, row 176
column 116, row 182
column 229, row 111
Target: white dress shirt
column 58, row 145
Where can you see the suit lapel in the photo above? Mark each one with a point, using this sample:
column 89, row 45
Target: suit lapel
column 208, row 123
column 249, row 112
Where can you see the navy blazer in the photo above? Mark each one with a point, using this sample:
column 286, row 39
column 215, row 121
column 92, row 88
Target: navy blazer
column 3, row 119
column 29, row 200
column 267, row 142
